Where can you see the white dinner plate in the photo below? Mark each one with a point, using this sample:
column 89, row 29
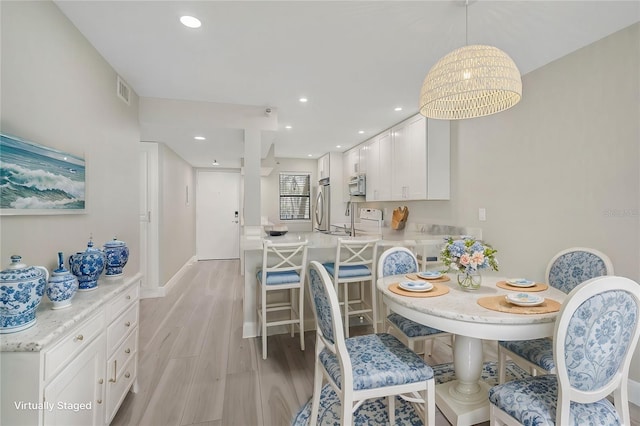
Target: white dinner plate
column 524, row 299
column 430, row 275
column 415, row 285
column 520, row 282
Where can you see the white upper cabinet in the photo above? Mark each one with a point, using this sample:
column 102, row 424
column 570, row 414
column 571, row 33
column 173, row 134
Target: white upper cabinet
column 409, row 162
column 323, row 167
column 378, row 175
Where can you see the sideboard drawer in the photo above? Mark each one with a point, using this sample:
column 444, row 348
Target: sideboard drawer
column 121, row 327
column 122, row 301
column 122, row 355
column 74, row 342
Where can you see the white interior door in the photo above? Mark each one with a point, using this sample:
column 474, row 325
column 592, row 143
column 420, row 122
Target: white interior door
column 217, row 215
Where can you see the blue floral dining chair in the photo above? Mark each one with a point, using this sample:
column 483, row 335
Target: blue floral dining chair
column 594, row 340
column 400, row 260
column 565, row 271
column 363, row 367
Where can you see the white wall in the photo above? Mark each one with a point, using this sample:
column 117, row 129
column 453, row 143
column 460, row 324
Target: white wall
column 59, row 92
column 177, row 218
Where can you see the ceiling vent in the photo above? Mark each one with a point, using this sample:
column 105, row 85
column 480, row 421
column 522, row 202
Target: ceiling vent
column 123, row 91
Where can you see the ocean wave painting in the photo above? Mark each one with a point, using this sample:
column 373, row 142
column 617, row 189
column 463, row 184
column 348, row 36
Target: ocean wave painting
column 35, row 179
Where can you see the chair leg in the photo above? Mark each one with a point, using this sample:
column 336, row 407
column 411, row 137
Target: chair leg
column 374, row 303
column 301, row 314
column 430, row 403
column 391, row 409
column 264, row 325
column 347, row 409
column 291, row 316
column 317, row 388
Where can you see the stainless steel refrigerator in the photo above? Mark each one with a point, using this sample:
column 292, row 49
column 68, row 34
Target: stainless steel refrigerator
column 321, row 217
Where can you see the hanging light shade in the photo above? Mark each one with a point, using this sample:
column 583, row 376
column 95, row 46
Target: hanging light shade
column 472, row 81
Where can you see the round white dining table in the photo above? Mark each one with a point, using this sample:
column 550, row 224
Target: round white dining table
column 464, row 401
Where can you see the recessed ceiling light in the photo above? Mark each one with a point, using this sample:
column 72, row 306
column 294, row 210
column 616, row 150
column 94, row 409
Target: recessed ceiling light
column 309, row 155
column 287, row 127
column 397, row 109
column 199, row 138
column 215, row 163
column 190, row 21
column 361, row 132
column 338, row 146
column 303, row 100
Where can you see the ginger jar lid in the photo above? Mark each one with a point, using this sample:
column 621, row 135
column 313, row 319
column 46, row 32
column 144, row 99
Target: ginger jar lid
column 18, row 271
column 114, row 243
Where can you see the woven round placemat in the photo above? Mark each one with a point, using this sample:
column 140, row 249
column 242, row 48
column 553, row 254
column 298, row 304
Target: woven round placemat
column 498, row 303
column 537, row 287
column 438, row 290
column 442, row 279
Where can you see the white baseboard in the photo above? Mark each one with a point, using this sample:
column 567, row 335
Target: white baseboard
column 161, row 291
column 633, row 389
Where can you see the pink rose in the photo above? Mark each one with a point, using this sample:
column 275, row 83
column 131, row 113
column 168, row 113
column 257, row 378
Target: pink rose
column 465, row 259
column 477, row 258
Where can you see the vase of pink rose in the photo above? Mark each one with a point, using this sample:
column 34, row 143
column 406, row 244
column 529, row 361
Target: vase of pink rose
column 468, row 256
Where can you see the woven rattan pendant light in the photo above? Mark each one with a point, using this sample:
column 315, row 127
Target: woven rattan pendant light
column 472, row 81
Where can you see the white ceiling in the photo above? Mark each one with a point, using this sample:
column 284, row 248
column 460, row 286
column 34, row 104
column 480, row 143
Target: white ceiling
column 354, row 60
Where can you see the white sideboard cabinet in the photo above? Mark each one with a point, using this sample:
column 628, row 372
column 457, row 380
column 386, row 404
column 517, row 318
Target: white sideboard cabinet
column 76, row 365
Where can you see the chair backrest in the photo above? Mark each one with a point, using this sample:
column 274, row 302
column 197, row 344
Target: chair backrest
column 358, row 252
column 397, row 260
column 326, row 310
column 595, row 337
column 574, row 266
column 283, row 257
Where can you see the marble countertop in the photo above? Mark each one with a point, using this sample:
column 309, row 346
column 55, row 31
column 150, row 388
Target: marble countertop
column 51, row 324
column 321, row 240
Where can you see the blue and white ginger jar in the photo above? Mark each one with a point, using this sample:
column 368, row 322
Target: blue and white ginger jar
column 87, row 266
column 62, row 286
column 21, row 290
column 117, row 254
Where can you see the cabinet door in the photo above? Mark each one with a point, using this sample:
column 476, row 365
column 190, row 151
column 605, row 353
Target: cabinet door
column 323, row 167
column 401, row 145
column 75, row 396
column 372, row 149
column 385, row 166
column 362, row 158
column 416, row 131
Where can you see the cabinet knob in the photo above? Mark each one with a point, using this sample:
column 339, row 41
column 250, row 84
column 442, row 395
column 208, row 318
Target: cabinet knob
column 128, row 297
column 127, row 324
column 127, row 351
column 79, row 337
column 101, row 381
column 127, row 375
column 99, row 401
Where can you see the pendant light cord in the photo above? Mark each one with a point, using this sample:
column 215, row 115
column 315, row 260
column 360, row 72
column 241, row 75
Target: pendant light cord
column 466, row 23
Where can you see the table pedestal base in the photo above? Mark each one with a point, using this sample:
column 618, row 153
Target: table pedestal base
column 460, row 412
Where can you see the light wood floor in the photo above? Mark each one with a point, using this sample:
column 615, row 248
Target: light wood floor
column 196, row 369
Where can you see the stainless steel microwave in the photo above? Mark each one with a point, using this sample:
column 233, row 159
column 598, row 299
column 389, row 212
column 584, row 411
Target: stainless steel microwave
column 357, row 185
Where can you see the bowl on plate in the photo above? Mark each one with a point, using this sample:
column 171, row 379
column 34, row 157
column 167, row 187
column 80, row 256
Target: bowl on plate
column 524, row 299
column 415, row 285
column 276, row 230
column 429, row 275
column 520, row 282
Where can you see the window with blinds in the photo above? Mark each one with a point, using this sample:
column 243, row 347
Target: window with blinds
column 295, row 196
